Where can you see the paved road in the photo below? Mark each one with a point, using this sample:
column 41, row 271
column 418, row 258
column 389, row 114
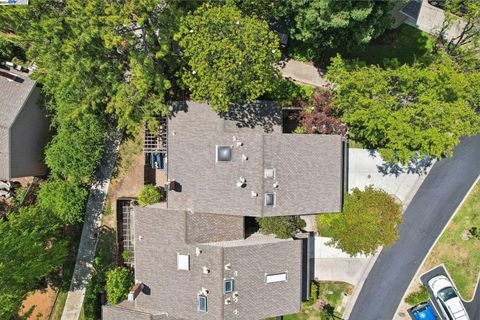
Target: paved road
column 88, row 240
column 473, row 307
column 424, row 219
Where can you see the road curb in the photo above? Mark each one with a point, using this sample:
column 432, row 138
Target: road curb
column 435, row 242
column 358, row 287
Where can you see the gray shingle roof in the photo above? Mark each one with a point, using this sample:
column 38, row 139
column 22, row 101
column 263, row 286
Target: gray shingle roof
column 308, row 168
column 160, row 234
column 13, row 95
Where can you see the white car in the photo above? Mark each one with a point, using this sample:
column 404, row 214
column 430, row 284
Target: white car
column 447, row 298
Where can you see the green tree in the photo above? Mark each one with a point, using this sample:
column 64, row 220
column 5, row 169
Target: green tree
column 410, row 111
column 76, row 149
column 369, row 220
column 463, row 16
column 283, row 227
column 229, row 56
column 325, row 24
column 150, row 194
column 119, row 282
column 64, row 199
column 30, row 250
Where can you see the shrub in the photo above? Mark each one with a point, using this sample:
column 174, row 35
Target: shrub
column 417, row 297
column 64, row 199
column 150, row 194
column 314, row 291
column 283, row 227
column 119, row 282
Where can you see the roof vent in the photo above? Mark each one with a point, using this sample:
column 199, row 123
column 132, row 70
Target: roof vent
column 234, row 138
column 239, row 143
column 198, row 251
column 228, row 301
column 235, row 273
column 204, row 291
column 235, row 294
column 228, row 266
column 235, row 312
column 269, row 173
column 206, row 270
column 244, row 157
column 254, row 194
column 241, row 182
column 275, row 184
column 235, row 299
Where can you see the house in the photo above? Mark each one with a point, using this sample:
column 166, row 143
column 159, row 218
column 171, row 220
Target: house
column 23, row 126
column 427, row 16
column 241, row 163
column 202, row 266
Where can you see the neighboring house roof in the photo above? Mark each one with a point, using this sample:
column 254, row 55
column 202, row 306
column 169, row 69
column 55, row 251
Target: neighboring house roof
column 162, row 234
column 308, row 169
column 14, row 94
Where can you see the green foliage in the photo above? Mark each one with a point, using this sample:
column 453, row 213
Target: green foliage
column 30, row 250
column 64, row 199
column 127, row 255
column 323, row 24
column 463, row 16
column 119, row 282
column 314, row 291
column 149, row 194
column 76, row 149
column 410, row 111
column 283, row 227
column 369, row 220
column 229, row 57
column 417, row 297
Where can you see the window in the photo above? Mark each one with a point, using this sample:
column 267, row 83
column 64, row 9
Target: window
column 269, row 173
column 224, row 153
column 278, row 277
column 227, row 285
column 183, row 262
column 270, row 199
column 202, row 303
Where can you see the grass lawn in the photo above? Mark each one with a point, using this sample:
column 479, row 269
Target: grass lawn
column 332, row 294
column 461, row 257
column 404, row 43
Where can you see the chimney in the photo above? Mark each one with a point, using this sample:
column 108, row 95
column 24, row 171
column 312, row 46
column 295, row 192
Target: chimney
column 137, row 288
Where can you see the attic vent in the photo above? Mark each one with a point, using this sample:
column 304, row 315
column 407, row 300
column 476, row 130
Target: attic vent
column 228, row 266
column 224, row 153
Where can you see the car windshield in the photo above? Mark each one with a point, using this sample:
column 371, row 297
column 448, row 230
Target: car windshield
column 447, row 294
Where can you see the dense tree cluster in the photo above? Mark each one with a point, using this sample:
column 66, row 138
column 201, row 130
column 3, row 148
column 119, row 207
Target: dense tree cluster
column 229, row 56
column 410, row 111
column 369, row 220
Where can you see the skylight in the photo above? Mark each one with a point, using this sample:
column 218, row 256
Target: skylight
column 183, row 262
column 224, row 153
column 269, row 173
column 227, row 285
column 202, row 303
column 270, row 199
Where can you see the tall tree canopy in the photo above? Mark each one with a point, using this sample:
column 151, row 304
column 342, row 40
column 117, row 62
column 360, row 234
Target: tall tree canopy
column 410, row 111
column 323, row 24
column 30, row 250
column 229, row 57
column 89, row 53
column 369, row 220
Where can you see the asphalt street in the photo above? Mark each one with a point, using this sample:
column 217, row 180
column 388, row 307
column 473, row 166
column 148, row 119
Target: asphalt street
column 472, row 307
column 424, row 219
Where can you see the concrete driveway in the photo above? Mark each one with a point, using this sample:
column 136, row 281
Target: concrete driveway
column 472, row 307
column 429, row 211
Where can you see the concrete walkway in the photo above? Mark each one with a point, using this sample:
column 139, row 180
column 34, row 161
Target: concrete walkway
column 88, row 240
column 303, row 72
